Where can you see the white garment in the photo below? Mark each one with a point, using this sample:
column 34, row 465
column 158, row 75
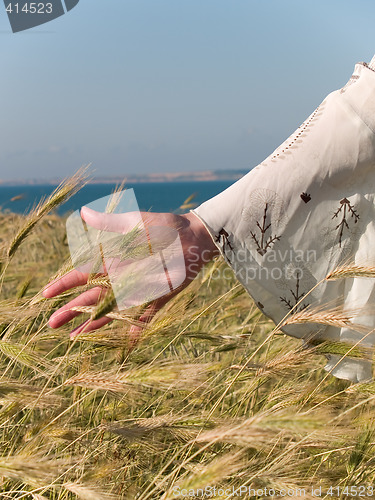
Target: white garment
column 372, row 64
column 302, row 212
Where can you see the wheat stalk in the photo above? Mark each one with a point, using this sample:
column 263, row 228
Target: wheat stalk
column 332, row 317
column 112, row 315
column 62, row 193
column 87, row 492
column 351, row 271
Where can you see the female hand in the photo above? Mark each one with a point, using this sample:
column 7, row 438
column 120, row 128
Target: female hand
column 197, row 246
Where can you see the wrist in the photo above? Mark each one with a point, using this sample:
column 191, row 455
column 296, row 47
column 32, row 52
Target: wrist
column 202, row 235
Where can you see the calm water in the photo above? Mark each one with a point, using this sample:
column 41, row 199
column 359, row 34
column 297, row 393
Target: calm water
column 157, row 197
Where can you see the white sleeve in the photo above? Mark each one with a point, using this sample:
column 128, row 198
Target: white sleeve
column 302, row 212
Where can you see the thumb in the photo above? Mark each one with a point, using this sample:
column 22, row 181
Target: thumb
column 116, row 223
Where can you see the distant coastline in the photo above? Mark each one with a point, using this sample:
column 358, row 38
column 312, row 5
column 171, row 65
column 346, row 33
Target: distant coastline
column 207, row 175
column 150, row 196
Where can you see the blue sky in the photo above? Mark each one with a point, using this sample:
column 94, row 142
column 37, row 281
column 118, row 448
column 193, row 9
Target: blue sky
column 171, row 85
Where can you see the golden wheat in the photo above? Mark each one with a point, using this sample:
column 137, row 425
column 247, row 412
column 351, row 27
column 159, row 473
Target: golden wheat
column 210, row 395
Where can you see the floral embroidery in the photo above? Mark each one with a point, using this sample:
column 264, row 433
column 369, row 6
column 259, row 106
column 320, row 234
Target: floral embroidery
column 264, row 218
column 264, row 242
column 297, row 296
column 344, row 210
column 223, row 239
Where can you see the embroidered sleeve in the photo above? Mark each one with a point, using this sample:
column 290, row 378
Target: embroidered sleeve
column 306, row 209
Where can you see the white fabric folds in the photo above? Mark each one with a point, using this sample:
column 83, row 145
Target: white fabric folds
column 307, row 209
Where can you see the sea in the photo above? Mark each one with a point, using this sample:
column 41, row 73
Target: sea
column 155, row 197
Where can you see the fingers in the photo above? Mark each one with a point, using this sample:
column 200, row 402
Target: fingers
column 117, row 223
column 159, row 232
column 89, row 326
column 124, row 222
column 71, row 280
column 65, row 313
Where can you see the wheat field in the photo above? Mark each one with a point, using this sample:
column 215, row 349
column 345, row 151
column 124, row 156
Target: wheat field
column 213, row 402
